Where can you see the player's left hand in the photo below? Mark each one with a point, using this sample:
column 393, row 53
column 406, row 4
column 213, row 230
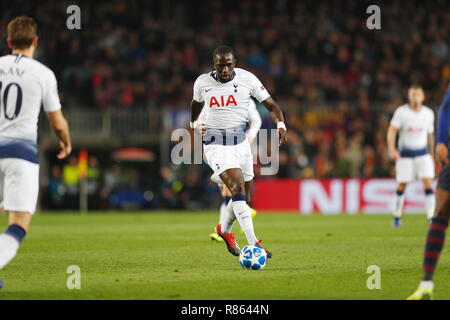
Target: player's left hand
column 65, row 150
column 282, row 136
column 201, row 127
column 442, row 153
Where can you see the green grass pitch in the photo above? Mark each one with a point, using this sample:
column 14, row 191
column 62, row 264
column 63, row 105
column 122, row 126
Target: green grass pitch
column 167, row 255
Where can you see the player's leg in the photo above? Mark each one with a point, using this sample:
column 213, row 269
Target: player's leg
column 404, row 173
column 424, row 167
column 226, row 209
column 241, row 198
column 248, row 190
column 21, row 185
column 234, row 180
column 10, row 240
column 249, row 187
column 435, row 237
column 399, row 202
column 226, row 196
column 430, row 199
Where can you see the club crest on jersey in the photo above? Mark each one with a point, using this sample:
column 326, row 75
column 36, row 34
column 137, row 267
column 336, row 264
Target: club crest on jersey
column 222, row 101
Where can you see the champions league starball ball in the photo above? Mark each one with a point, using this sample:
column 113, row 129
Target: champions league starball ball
column 253, row 257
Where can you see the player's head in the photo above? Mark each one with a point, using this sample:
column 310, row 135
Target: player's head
column 224, row 62
column 416, row 95
column 22, row 33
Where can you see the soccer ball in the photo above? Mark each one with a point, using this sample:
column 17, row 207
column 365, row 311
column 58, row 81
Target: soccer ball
column 253, row 257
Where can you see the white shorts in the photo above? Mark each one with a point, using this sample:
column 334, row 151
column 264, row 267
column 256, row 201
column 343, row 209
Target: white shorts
column 410, row 169
column 221, row 158
column 19, row 185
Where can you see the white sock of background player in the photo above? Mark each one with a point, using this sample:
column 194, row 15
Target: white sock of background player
column 243, row 215
column 10, row 241
column 399, row 200
column 224, row 208
column 430, row 202
column 229, row 218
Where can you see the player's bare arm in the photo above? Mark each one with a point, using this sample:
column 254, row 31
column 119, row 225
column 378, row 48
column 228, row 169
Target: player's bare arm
column 431, row 144
column 196, row 108
column 61, row 129
column 277, row 115
column 392, row 150
column 441, row 153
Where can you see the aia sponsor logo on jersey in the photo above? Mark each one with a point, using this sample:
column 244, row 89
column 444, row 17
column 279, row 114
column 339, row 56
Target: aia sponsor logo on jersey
column 222, row 101
column 414, row 130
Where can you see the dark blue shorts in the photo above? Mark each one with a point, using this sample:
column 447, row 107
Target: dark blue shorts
column 444, row 178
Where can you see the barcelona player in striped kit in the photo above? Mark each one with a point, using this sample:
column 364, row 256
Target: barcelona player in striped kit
column 439, row 223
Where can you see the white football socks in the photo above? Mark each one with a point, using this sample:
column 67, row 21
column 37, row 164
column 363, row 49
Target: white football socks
column 242, row 213
column 229, row 218
column 8, row 249
column 426, row 285
column 430, row 204
column 399, row 201
column 223, row 212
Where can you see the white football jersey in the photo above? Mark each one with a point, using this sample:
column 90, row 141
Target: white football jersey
column 413, row 126
column 25, row 84
column 227, row 104
column 254, row 119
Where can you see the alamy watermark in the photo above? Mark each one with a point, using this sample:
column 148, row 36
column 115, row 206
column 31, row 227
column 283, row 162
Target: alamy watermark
column 73, row 22
column 74, row 279
column 374, row 280
column 374, row 21
column 188, row 148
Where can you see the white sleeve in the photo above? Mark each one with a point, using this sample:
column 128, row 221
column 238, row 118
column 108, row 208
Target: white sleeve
column 254, row 119
column 258, row 90
column 197, row 96
column 431, row 127
column 396, row 120
column 202, row 116
column 50, row 97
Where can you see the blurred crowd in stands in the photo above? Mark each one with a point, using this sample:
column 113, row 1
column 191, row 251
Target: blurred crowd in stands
column 337, row 82
column 118, row 186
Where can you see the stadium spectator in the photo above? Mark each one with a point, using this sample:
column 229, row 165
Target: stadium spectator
column 71, row 181
column 56, row 189
column 93, row 182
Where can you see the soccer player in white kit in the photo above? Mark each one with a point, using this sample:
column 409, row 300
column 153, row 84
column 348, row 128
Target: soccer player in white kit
column 24, row 85
column 225, row 93
column 254, row 124
column 414, row 123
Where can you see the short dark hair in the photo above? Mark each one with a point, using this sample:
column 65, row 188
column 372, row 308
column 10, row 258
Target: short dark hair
column 222, row 50
column 415, row 86
column 21, row 32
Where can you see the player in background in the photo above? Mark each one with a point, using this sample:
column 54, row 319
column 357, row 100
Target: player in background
column 439, row 223
column 24, row 85
column 254, row 121
column 226, row 92
column 414, row 123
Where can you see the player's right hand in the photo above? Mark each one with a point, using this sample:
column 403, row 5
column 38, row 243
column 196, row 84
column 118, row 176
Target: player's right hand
column 282, row 136
column 441, row 153
column 394, row 155
column 201, row 127
column 64, row 150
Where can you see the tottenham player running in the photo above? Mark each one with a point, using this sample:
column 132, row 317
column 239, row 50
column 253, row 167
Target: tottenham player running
column 415, row 124
column 24, row 85
column 254, row 121
column 439, row 223
column 225, row 93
